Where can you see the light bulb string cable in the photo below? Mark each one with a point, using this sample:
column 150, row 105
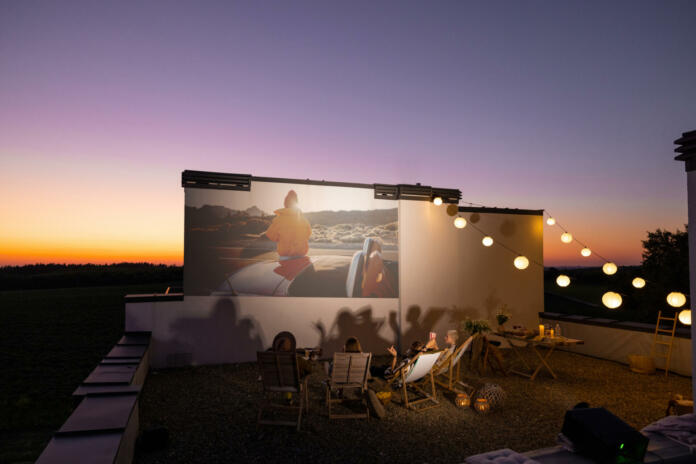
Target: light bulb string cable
column 583, row 244
column 495, row 241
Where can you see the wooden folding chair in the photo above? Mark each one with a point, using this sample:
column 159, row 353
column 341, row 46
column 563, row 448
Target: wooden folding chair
column 447, row 372
column 415, row 375
column 279, row 376
column 349, row 372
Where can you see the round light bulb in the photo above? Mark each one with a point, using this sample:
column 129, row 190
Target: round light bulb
column 638, row 282
column 586, row 252
column 676, row 299
column 437, row 201
column 563, row 280
column 521, row 262
column 566, row 237
column 460, row 222
column 609, row 268
column 487, row 241
column 611, row 300
column 685, row 317
column 551, row 221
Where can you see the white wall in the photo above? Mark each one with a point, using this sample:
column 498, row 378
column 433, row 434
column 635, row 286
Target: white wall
column 616, row 344
column 215, row 330
column 447, row 274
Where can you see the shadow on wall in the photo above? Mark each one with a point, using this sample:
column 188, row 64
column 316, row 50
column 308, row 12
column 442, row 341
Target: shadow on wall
column 210, row 340
column 360, row 324
column 419, row 325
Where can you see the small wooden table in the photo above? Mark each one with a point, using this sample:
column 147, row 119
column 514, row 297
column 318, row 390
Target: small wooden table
column 536, row 343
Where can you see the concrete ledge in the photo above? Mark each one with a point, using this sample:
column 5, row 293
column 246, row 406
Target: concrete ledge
column 150, row 297
column 681, row 332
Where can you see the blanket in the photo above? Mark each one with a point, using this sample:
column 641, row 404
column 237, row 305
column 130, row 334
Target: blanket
column 681, row 429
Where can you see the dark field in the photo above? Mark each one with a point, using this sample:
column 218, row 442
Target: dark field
column 51, row 340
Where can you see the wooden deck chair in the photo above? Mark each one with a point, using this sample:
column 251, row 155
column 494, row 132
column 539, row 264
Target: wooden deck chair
column 349, row 372
column 415, row 376
column 279, row 376
column 447, row 372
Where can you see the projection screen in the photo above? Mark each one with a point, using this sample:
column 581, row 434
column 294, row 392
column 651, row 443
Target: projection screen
column 290, row 239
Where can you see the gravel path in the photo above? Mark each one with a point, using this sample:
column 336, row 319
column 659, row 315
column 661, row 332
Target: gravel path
column 210, row 413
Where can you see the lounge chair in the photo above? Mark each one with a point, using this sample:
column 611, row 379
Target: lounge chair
column 279, row 376
column 447, row 372
column 415, row 375
column 349, row 372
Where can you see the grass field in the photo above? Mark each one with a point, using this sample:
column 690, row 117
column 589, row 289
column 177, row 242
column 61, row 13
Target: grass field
column 51, row 340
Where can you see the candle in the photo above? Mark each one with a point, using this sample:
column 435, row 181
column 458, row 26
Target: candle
column 541, row 330
column 551, row 333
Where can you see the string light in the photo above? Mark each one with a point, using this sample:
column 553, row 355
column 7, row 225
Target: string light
column 551, row 221
column 460, row 222
column 685, row 316
column 566, row 237
column 638, row 282
column 611, row 300
column 437, row 201
column 586, row 252
column 676, row 299
column 609, row 268
column 521, row 262
column 563, row 280
column 487, row 241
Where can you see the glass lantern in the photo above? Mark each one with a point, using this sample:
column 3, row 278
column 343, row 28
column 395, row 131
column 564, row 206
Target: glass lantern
column 462, row 400
column 481, row 406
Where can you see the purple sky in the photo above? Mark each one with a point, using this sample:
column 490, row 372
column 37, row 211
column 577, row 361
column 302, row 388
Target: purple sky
column 567, row 106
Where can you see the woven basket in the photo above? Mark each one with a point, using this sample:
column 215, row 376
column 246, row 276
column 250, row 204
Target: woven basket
column 641, row 364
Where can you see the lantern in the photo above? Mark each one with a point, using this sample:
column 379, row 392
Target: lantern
column 551, row 221
column 611, row 300
column 638, row 282
column 521, row 262
column 487, row 241
column 566, row 237
column 685, row 317
column 481, row 406
column 460, row 222
column 462, row 400
column 563, row 280
column 676, row 299
column 586, row 252
column 609, row 268
column 437, row 201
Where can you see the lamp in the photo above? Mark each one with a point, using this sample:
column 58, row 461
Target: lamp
column 481, row 405
column 437, row 201
column 487, row 241
column 685, row 316
column 638, row 282
column 563, row 280
column 611, row 300
column 609, row 268
column 459, row 222
column 586, row 252
column 676, row 299
column 551, row 221
column 566, row 237
column 462, row 400
column 521, row 262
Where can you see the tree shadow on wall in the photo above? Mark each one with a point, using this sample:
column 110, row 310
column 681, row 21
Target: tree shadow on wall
column 220, row 337
column 360, row 324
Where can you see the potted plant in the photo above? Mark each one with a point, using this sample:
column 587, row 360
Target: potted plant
column 476, row 326
column 502, row 316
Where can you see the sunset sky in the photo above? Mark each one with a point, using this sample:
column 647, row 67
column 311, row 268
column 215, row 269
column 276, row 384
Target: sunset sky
column 567, row 106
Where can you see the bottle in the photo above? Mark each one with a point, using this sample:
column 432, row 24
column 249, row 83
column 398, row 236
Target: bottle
column 558, row 330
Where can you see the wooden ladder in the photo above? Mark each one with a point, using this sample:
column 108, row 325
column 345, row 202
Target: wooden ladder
column 663, row 332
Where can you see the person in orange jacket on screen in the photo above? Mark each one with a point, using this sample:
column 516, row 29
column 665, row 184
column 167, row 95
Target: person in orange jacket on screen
column 290, row 229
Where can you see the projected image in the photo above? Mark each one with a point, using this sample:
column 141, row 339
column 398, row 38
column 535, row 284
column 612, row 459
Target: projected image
column 290, row 240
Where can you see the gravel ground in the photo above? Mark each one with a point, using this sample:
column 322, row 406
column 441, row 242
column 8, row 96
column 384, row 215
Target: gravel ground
column 210, row 413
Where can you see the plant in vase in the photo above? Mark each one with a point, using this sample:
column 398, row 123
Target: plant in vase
column 501, row 317
column 476, row 326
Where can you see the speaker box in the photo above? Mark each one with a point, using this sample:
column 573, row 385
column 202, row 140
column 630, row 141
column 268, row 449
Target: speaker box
column 600, row 435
